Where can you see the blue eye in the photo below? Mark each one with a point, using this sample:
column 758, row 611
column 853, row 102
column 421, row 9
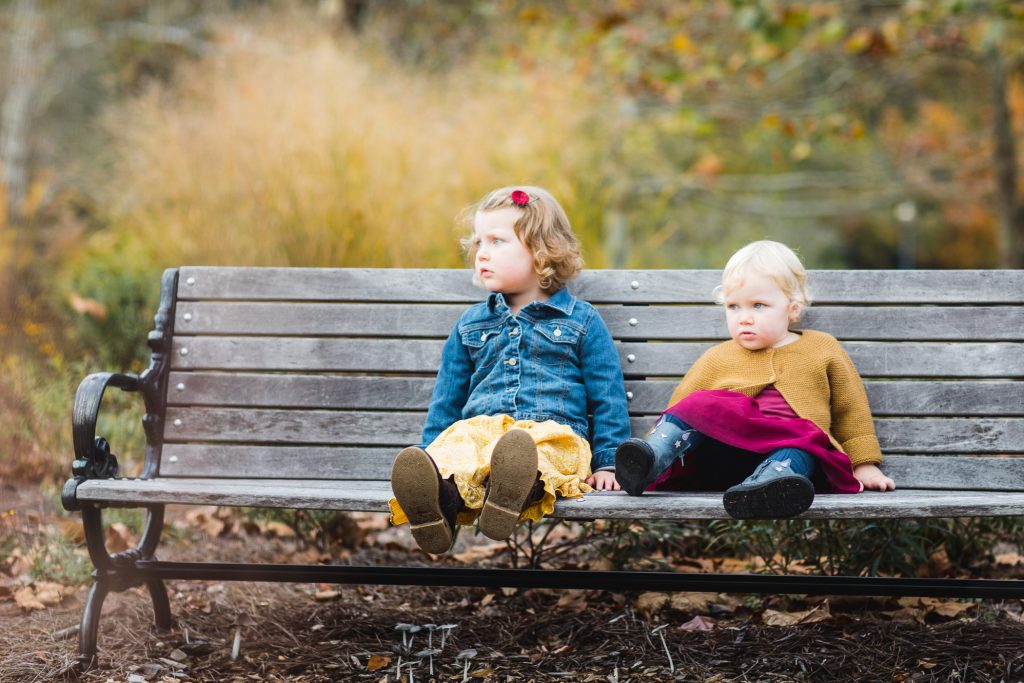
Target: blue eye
column 497, row 240
column 758, row 306
column 733, row 307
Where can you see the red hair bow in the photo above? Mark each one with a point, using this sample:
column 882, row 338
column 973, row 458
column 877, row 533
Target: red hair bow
column 520, row 198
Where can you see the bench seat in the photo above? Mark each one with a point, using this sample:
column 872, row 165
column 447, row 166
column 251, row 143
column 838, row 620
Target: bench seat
column 373, row 496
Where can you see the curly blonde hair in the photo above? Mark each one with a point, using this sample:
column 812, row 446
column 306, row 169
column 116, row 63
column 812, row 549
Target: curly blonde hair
column 542, row 226
column 773, row 260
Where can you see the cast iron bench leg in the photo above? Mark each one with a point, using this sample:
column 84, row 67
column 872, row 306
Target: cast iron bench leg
column 119, row 572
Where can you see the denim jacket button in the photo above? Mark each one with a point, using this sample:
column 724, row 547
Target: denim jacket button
column 558, row 332
column 514, row 331
column 511, row 361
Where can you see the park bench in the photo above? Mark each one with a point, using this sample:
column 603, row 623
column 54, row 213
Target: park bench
column 295, row 387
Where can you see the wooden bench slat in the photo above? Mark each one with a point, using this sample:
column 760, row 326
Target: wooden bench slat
column 873, row 359
column 353, row 427
column 374, row 464
column 919, row 398
column 277, row 462
column 955, row 323
column 653, row 286
column 373, row 496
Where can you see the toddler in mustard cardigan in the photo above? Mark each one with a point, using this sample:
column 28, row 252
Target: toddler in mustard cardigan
column 770, row 415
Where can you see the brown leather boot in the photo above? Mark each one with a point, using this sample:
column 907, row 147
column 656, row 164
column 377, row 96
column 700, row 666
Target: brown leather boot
column 512, row 482
column 430, row 502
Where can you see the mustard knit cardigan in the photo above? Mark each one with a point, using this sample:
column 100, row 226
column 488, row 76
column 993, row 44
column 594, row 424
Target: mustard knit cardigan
column 815, row 376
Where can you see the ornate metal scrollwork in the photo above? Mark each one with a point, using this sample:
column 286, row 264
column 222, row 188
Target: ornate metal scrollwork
column 93, row 458
column 102, row 464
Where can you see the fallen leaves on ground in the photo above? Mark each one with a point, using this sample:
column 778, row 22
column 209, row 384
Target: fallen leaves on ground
column 118, row 537
column 917, row 609
column 41, row 594
column 699, row 623
column 692, row 602
column 773, row 617
column 1009, row 559
column 480, row 552
column 377, row 662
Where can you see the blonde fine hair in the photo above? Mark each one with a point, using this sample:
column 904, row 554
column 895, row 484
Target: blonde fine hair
column 542, row 226
column 773, row 260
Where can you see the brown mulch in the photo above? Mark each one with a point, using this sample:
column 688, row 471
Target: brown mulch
column 305, row 632
column 520, row 637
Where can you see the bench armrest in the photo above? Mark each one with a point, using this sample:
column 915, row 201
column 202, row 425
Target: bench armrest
column 93, row 458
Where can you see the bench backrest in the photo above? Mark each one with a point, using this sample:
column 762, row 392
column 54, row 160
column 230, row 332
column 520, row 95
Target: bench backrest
column 325, row 373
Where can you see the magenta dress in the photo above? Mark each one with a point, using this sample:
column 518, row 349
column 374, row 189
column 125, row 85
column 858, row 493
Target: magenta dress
column 758, row 426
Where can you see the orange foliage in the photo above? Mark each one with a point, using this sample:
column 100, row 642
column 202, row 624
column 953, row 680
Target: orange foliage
column 971, row 238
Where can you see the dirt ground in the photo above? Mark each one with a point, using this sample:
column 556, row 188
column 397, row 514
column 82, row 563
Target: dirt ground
column 308, row 632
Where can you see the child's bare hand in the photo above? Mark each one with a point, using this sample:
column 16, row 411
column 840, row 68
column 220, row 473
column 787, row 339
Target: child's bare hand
column 871, row 477
column 603, row 481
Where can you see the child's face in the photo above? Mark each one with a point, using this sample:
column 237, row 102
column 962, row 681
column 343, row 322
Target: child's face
column 758, row 313
column 503, row 263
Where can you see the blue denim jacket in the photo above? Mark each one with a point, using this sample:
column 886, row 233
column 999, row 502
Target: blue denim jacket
column 555, row 360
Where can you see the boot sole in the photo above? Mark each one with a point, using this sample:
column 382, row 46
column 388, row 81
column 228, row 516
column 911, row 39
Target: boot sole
column 414, row 481
column 513, row 473
column 782, row 497
column 633, row 461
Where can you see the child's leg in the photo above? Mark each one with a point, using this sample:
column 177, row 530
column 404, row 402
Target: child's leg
column 430, row 503
column 514, row 476
column 561, row 462
column 779, row 487
column 428, row 487
column 638, row 462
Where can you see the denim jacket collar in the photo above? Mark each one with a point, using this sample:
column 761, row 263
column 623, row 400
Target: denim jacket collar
column 561, row 301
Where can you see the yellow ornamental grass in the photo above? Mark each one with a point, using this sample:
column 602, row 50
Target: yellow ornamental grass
column 295, row 149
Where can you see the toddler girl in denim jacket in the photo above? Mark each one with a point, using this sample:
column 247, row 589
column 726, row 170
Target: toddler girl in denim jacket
column 770, row 415
column 529, row 399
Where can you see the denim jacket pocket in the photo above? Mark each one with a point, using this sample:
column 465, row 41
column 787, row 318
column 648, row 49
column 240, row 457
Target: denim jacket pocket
column 557, row 340
column 481, row 342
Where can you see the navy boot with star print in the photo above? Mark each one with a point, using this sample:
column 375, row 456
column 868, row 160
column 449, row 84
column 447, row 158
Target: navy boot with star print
column 638, row 462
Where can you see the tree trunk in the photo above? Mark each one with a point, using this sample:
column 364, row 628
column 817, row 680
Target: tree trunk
column 15, row 116
column 1004, row 161
column 14, row 121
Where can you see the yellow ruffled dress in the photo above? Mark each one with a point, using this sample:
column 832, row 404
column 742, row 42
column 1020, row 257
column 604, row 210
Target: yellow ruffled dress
column 464, row 450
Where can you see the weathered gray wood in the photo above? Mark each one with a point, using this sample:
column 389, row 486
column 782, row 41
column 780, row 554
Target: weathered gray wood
column 299, row 391
column 277, row 462
column 293, row 426
column 276, row 353
column 975, row 473
column 652, row 286
column 352, row 427
column 952, row 472
column 951, row 397
column 951, row 435
column 955, row 323
column 904, row 323
column 373, row 496
column 887, row 398
column 316, row 319
column 873, row 359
